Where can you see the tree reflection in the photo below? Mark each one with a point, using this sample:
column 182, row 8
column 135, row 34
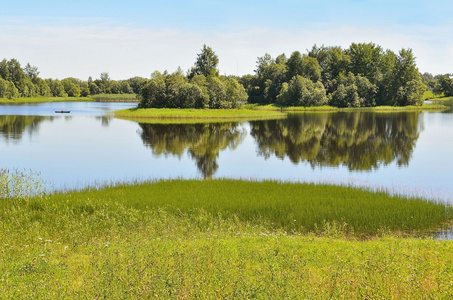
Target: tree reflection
column 13, row 127
column 359, row 140
column 203, row 142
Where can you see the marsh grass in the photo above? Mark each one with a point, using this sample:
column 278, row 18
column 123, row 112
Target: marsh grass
column 190, row 115
column 21, row 184
column 221, row 239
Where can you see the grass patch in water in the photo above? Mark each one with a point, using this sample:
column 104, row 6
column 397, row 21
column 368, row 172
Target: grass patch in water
column 195, row 114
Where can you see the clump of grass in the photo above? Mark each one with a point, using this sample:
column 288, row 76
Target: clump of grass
column 21, row 184
column 292, row 207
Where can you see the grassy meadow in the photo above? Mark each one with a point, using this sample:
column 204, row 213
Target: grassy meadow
column 220, row 239
column 429, row 95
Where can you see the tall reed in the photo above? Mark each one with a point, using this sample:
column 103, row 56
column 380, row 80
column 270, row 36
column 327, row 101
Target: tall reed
column 21, row 184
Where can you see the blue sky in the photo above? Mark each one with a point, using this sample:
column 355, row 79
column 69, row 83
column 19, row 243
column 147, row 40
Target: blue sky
column 134, row 38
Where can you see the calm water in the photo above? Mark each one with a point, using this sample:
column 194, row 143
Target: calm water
column 408, row 153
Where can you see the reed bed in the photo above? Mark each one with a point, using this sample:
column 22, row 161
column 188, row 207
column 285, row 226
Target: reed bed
column 196, row 114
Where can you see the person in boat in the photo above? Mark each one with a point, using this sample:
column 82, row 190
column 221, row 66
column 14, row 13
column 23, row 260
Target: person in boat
column 62, row 110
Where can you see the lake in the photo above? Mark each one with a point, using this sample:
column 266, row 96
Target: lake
column 408, row 153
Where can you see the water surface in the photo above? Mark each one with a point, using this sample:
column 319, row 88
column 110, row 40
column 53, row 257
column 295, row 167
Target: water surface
column 408, row 153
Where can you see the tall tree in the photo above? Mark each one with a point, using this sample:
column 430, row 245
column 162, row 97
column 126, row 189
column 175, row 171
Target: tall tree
column 31, row 72
column 407, row 77
column 206, row 63
column 366, row 60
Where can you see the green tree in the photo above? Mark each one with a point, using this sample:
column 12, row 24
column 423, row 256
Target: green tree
column 445, row 85
column 216, row 92
column 4, row 70
column 137, row 83
column 271, row 75
column 94, row 88
column 31, row 72
column 235, row 92
column 153, row 93
column 7, row 89
column 126, row 87
column 42, row 88
column 56, row 88
column 206, row 63
column 353, row 91
column 408, row 81
column 366, row 59
column 70, row 87
column 332, row 60
column 301, row 91
column 295, row 65
column 114, row 87
column 84, row 89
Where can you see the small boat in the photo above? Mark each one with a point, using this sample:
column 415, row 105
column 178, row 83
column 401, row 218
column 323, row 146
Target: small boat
column 62, row 111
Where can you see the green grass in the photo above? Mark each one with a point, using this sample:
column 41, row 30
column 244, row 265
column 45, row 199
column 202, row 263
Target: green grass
column 155, row 114
column 220, row 239
column 429, row 95
column 274, row 107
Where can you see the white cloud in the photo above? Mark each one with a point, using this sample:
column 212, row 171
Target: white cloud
column 124, row 52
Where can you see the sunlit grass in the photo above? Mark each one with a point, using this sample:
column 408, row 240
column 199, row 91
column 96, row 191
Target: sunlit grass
column 194, row 114
column 429, row 95
column 20, row 184
column 221, row 239
column 274, row 107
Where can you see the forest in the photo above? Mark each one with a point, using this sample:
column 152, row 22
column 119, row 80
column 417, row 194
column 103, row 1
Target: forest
column 363, row 75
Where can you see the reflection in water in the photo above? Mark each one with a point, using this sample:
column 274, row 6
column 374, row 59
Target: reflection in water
column 105, row 120
column 202, row 141
column 13, row 127
column 360, row 140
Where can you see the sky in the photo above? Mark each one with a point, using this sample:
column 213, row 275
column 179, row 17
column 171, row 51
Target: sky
column 137, row 37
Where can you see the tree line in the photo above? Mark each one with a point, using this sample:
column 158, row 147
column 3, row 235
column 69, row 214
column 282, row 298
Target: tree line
column 439, row 84
column 16, row 82
column 363, row 75
column 202, row 87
